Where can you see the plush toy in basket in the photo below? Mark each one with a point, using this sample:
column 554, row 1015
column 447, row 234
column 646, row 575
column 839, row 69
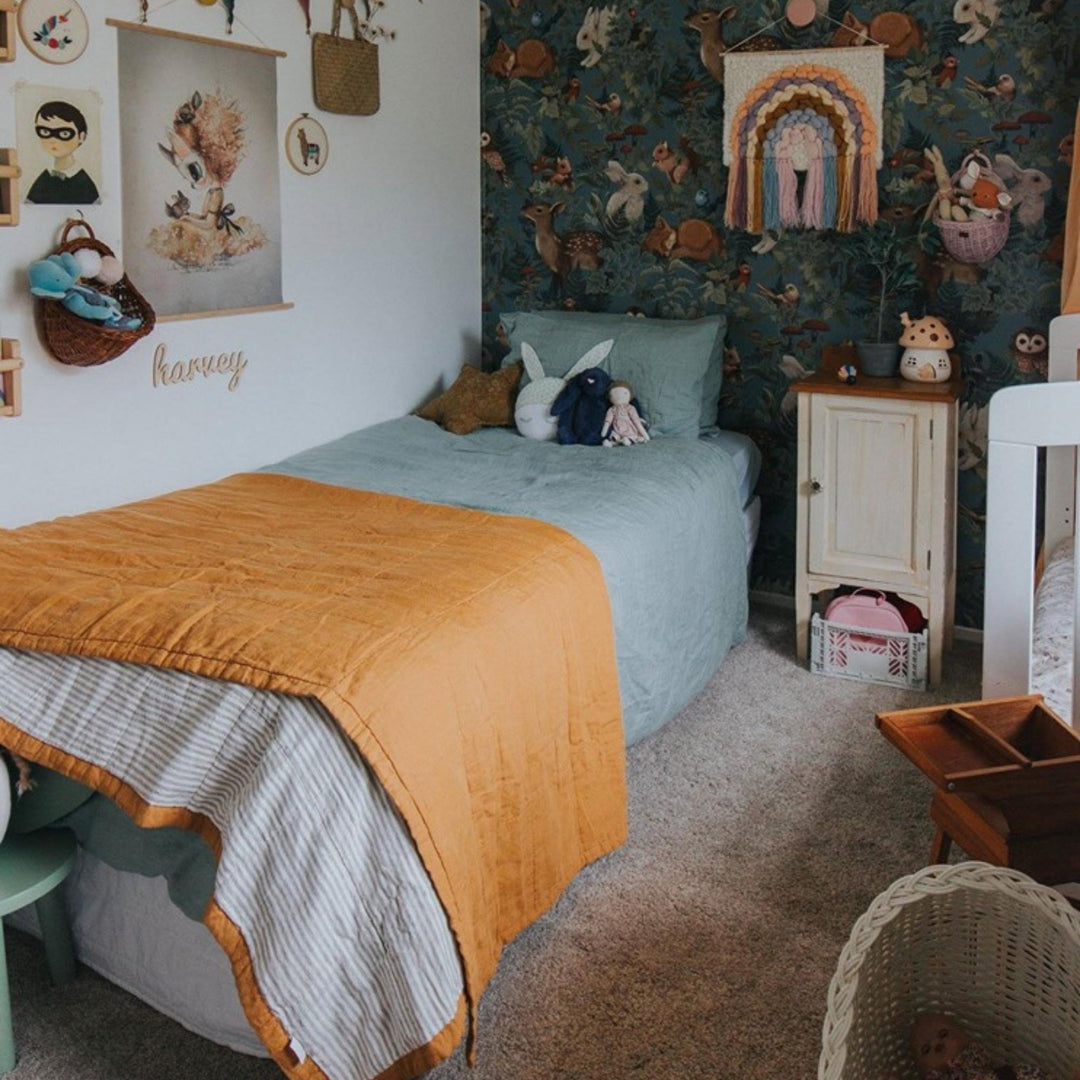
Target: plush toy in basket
column 942, row 1051
column 971, row 208
column 91, row 312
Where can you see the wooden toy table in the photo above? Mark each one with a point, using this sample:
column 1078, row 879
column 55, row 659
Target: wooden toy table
column 1007, row 778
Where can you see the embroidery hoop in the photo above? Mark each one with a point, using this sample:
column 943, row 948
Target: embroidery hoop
column 309, row 125
column 31, row 17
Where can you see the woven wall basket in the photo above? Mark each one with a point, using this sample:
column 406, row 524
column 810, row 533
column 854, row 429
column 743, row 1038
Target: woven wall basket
column 345, row 70
column 79, row 341
column 981, row 238
column 975, row 241
column 984, row 944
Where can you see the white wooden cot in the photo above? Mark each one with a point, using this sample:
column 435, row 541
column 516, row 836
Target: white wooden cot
column 1023, row 419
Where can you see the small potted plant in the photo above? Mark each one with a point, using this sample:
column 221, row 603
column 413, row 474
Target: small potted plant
column 882, row 253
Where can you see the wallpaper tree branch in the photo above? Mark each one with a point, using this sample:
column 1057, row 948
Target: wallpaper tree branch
column 604, row 190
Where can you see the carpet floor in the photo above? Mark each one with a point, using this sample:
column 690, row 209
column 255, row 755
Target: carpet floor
column 763, row 821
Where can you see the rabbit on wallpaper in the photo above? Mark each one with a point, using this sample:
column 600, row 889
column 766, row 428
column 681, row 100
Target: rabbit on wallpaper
column 594, row 36
column 1028, row 187
column 532, row 410
column 979, row 15
column 630, row 195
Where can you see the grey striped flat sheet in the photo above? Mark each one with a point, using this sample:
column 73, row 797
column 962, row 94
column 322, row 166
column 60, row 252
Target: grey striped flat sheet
column 349, row 943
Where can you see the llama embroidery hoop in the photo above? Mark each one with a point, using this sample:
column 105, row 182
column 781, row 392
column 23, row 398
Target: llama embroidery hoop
column 307, row 146
column 814, row 112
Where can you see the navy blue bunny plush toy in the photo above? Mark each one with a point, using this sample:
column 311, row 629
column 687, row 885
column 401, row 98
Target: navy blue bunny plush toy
column 581, row 407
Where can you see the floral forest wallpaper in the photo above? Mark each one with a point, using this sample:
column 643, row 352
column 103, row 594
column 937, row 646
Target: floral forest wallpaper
column 604, row 190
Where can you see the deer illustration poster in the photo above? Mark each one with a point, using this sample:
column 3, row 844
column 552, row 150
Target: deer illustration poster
column 199, row 149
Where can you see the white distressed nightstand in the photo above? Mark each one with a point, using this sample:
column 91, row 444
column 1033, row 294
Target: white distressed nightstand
column 876, row 494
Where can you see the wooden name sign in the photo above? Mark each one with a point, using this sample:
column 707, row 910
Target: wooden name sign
column 168, row 373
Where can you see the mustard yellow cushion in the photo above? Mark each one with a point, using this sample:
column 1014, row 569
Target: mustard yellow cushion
column 476, row 400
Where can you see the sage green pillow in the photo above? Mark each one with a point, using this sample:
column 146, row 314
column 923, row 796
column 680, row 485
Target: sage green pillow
column 674, row 365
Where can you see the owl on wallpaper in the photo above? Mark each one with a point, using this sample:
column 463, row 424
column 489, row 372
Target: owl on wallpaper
column 1030, row 351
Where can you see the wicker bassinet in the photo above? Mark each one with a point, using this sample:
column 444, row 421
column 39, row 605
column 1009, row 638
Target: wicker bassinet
column 987, row 945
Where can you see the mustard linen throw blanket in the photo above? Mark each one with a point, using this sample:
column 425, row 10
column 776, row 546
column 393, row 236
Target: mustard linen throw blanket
column 468, row 656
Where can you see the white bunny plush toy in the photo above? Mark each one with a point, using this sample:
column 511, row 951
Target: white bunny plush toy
column 532, row 410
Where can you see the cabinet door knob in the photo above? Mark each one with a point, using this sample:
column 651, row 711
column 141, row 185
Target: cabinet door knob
column 815, row 486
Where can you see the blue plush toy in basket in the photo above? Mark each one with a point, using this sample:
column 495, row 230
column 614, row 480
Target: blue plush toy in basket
column 985, row 945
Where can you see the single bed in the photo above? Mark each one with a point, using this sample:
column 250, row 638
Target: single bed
column 671, row 524
column 1029, row 643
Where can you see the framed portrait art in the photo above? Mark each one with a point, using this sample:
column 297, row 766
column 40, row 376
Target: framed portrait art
column 199, row 164
column 59, row 132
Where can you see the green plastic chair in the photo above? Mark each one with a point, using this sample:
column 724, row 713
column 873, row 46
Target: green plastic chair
column 34, row 861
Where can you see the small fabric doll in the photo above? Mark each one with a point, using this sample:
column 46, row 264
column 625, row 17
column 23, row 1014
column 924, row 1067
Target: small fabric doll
column 623, row 425
column 581, row 407
column 943, row 1051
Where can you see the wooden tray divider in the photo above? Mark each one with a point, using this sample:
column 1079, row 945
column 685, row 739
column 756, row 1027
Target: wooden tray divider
column 987, row 739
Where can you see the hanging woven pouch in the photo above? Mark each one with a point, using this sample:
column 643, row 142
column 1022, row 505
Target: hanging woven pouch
column 346, row 70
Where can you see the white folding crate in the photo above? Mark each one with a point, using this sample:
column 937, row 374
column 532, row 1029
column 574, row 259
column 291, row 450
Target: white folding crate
column 882, row 656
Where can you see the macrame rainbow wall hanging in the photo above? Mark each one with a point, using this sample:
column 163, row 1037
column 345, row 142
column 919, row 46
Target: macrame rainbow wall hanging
column 810, row 113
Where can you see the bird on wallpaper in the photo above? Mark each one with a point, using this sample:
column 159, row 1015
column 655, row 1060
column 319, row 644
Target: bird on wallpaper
column 740, row 277
column 611, row 104
column 1003, row 87
column 492, row 158
column 572, row 88
column 945, row 72
column 542, row 23
column 706, row 201
column 787, row 297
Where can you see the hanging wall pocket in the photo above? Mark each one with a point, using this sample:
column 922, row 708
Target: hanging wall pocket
column 86, row 341
column 346, row 70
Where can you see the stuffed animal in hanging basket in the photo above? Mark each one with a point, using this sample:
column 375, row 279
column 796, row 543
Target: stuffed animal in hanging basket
column 972, row 207
column 79, row 283
column 623, row 425
column 58, row 278
column 943, row 1051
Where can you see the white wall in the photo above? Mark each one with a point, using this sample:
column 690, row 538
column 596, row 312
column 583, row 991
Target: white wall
column 381, row 258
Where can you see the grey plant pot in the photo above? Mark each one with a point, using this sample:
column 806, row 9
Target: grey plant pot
column 878, row 359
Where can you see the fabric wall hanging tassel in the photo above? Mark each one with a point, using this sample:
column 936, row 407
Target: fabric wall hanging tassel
column 305, row 7
column 809, row 116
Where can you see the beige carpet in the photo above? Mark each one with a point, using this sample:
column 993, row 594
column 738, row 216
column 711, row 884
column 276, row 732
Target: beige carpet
column 763, row 820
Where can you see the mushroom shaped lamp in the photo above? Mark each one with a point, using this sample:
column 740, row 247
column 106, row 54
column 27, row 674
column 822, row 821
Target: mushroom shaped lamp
column 926, row 344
